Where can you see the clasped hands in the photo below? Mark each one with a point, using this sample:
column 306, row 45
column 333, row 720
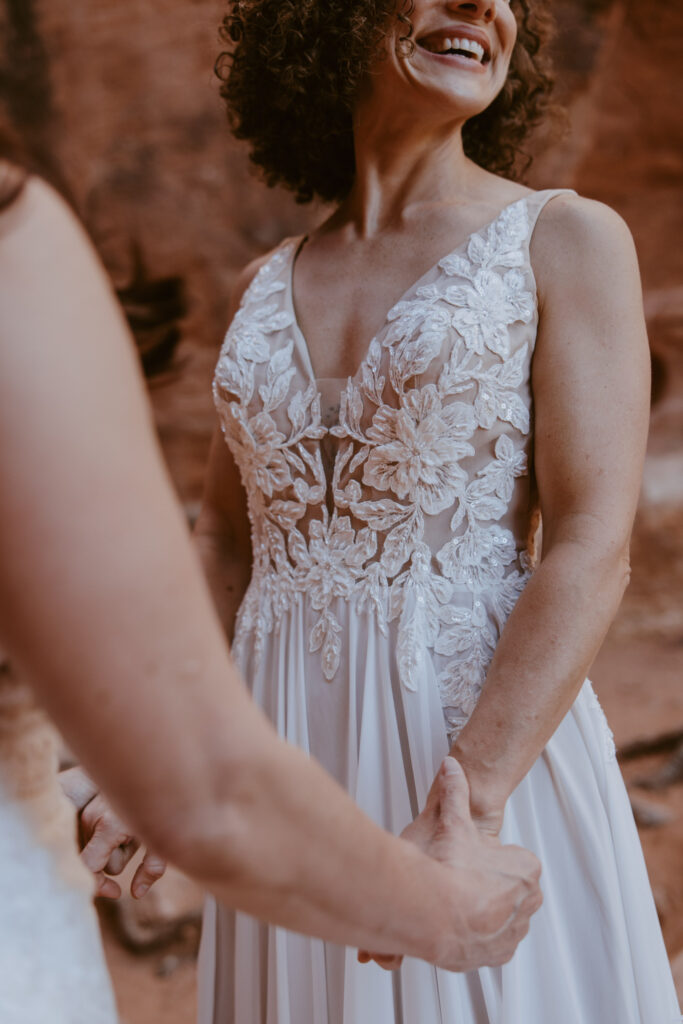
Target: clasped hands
column 500, row 890
column 446, row 831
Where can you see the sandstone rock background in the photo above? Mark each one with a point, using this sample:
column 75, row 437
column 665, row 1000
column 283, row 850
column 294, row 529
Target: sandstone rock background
column 120, row 109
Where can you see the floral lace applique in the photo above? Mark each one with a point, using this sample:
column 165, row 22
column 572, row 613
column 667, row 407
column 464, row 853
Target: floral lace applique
column 400, row 465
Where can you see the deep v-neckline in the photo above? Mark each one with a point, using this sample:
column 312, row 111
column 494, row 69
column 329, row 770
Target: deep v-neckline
column 297, row 245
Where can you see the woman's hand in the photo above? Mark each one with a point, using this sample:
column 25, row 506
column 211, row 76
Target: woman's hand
column 107, row 845
column 449, row 831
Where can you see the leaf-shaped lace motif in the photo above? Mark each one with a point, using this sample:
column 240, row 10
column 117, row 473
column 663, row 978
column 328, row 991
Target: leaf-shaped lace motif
column 401, row 463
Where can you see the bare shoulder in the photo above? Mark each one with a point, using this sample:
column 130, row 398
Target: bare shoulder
column 244, row 279
column 37, row 209
column 589, row 289
column 581, row 242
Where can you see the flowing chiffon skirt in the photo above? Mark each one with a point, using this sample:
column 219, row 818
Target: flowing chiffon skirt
column 594, row 953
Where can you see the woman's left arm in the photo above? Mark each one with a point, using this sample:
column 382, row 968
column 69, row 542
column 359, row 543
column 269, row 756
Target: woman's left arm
column 591, row 388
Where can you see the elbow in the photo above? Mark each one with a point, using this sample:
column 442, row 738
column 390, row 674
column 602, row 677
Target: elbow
column 209, row 842
column 615, row 572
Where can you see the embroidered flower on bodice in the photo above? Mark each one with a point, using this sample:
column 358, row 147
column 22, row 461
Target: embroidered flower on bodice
column 432, row 438
column 419, row 449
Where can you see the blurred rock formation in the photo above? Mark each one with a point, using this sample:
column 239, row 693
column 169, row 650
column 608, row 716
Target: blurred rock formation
column 119, row 107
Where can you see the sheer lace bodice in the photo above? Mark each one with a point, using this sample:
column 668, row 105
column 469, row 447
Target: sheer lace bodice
column 414, row 502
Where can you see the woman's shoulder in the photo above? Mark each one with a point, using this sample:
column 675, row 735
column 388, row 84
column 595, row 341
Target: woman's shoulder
column 579, row 238
column 569, row 221
column 247, row 274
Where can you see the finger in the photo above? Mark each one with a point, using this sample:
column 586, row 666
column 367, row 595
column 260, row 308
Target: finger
column 106, row 887
column 149, row 871
column 454, row 794
column 97, row 816
column 388, row 962
column 78, row 786
column 516, row 927
column 535, row 868
column 515, row 934
column 121, row 856
column 105, row 839
column 432, row 802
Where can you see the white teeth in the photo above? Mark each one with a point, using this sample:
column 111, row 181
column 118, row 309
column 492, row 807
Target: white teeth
column 468, row 45
column 474, row 47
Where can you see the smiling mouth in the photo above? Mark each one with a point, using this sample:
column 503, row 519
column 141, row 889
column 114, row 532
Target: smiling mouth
column 456, row 46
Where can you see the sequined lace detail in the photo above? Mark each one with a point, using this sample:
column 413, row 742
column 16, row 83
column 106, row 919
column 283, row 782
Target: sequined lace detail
column 412, row 520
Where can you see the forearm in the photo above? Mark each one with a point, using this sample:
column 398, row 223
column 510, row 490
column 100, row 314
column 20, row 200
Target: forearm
column 227, row 572
column 141, row 685
column 548, row 644
column 292, row 848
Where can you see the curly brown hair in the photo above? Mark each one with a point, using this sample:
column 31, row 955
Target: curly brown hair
column 292, row 70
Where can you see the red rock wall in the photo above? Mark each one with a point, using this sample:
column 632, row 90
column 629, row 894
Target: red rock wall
column 120, row 104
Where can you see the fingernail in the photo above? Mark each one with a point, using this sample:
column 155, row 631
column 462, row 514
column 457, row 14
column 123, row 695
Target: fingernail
column 450, row 766
column 140, row 890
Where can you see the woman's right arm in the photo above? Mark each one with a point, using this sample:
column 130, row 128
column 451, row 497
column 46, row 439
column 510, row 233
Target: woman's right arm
column 222, row 536
column 222, row 533
column 103, row 604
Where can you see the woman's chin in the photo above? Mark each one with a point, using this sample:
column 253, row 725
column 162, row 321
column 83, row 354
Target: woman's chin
column 441, row 102
column 451, row 94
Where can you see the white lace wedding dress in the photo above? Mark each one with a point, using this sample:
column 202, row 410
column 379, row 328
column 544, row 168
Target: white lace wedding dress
column 52, row 968
column 391, row 536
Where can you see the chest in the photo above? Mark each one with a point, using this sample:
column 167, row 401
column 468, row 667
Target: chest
column 341, row 300
column 343, row 292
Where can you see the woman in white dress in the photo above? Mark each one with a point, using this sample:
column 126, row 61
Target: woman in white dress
column 390, row 447
column 104, row 607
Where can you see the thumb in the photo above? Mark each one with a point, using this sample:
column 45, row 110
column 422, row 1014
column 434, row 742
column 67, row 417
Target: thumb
column 454, row 794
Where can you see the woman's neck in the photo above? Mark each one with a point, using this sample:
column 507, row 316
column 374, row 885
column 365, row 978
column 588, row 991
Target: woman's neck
column 398, row 171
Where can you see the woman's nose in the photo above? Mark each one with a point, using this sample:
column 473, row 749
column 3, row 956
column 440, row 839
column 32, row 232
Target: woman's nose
column 484, row 10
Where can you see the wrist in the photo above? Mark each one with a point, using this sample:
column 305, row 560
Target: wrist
column 488, row 784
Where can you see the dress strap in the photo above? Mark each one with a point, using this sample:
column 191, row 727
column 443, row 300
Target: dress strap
column 537, row 201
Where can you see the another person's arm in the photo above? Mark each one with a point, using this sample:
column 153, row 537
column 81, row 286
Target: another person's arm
column 103, row 603
column 591, row 384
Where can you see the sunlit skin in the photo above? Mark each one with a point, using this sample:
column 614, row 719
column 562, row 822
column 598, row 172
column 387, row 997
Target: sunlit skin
column 415, row 191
